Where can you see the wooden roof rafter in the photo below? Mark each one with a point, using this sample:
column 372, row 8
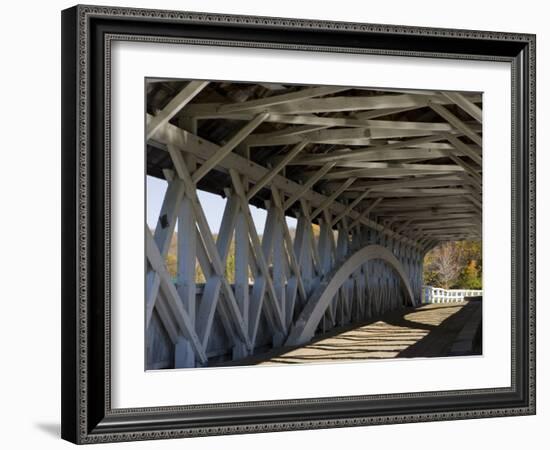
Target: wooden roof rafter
column 358, row 146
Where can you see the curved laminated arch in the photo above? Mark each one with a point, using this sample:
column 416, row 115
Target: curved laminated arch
column 304, row 328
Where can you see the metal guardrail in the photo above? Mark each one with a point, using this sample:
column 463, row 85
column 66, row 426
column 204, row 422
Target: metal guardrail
column 439, row 295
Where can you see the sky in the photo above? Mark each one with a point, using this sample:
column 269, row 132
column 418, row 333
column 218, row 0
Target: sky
column 212, row 204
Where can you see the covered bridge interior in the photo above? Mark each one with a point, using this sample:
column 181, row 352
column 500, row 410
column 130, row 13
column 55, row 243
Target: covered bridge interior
column 374, row 177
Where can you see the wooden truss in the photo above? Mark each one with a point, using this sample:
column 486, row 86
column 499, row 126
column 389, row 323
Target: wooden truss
column 381, row 176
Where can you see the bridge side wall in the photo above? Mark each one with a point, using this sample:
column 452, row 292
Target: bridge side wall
column 370, row 292
column 275, row 272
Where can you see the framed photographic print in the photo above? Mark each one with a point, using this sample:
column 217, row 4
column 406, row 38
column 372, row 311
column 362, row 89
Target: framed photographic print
column 282, row 224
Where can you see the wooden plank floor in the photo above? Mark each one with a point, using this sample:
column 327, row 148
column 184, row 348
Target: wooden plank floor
column 426, row 331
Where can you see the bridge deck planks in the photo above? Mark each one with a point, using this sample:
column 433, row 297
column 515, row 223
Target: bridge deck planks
column 425, row 331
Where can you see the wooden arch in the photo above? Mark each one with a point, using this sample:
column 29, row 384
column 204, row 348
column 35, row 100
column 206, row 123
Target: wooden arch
column 304, row 328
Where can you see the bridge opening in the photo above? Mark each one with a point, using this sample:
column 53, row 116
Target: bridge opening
column 281, row 215
column 453, row 270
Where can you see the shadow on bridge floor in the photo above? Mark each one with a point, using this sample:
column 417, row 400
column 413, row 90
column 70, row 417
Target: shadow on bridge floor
column 426, row 331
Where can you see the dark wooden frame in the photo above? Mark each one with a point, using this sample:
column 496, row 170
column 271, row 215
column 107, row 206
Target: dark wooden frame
column 87, row 416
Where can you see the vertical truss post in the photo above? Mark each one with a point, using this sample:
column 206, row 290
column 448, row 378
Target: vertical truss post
column 229, row 310
column 162, row 236
column 260, row 251
column 302, row 248
column 186, row 286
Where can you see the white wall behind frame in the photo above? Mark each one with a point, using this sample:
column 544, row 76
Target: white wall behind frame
column 30, row 237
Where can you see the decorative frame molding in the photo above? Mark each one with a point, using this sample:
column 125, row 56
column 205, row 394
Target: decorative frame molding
column 87, row 33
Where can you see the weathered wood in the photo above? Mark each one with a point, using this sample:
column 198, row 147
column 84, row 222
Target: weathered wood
column 211, row 162
column 312, row 179
column 366, row 179
column 356, row 154
column 260, row 138
column 409, row 193
column 456, row 122
column 331, row 104
column 305, row 210
column 288, row 242
column 374, row 169
column 460, row 148
column 336, row 104
column 259, row 254
column 469, row 169
column 366, row 212
column 175, row 105
column 163, row 235
column 199, row 147
column 467, row 105
column 352, row 205
column 359, row 135
column 211, row 294
column 180, row 314
column 187, row 258
column 206, row 234
column 279, row 263
column 345, row 185
column 312, row 313
column 402, row 154
column 275, row 170
column 263, row 103
column 241, row 267
column 416, row 182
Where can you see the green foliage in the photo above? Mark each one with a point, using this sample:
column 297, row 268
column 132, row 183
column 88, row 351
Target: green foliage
column 470, row 277
column 172, row 264
column 230, row 263
column 454, row 265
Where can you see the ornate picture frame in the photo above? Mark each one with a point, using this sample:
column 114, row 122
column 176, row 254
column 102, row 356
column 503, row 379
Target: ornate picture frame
column 88, row 33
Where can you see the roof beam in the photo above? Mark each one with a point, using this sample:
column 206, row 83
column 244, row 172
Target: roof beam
column 455, row 122
column 262, row 104
column 402, row 227
column 373, row 114
column 356, row 154
column 202, row 149
column 383, row 155
column 332, row 197
column 374, row 169
column 332, row 104
column 427, row 212
column 211, row 162
column 428, row 216
column 365, row 212
column 285, row 132
column 414, row 182
column 468, row 106
column 388, row 172
column 354, row 135
column 275, row 170
column 352, row 205
column 440, row 224
column 298, row 119
column 468, row 169
column 175, row 105
column 445, row 201
column 460, row 148
column 414, row 193
column 314, row 178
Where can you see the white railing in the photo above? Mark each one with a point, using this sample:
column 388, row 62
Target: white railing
column 439, row 295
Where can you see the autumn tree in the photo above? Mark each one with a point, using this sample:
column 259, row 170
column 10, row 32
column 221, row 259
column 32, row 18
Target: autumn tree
column 445, row 263
column 470, row 277
column 454, row 265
